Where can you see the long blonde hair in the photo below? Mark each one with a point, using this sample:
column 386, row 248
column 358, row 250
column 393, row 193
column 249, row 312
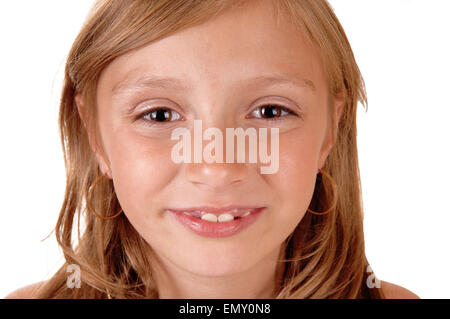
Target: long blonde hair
column 323, row 258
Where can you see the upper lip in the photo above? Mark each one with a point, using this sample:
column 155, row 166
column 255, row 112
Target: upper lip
column 235, row 210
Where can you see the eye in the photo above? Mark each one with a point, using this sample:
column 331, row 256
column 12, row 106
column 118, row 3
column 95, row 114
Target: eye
column 160, row 115
column 271, row 112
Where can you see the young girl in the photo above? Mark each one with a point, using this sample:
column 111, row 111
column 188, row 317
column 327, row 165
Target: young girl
column 153, row 227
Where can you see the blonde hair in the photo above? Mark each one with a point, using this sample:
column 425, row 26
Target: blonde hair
column 323, row 258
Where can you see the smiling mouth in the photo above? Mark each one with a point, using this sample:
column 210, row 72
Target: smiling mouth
column 217, row 215
column 217, row 222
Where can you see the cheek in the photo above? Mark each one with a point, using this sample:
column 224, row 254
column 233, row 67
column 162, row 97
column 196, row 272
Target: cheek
column 295, row 180
column 141, row 170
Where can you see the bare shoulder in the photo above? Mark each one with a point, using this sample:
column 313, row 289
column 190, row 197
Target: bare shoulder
column 27, row 292
column 392, row 291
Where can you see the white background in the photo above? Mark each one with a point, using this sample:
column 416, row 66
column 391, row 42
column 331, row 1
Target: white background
column 402, row 48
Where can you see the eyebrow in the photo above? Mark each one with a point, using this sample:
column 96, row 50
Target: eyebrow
column 160, row 82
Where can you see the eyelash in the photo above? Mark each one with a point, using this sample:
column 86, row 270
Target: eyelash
column 149, row 112
column 287, row 111
column 282, row 109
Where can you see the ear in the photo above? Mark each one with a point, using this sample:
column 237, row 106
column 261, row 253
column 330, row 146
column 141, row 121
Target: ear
column 338, row 106
column 101, row 159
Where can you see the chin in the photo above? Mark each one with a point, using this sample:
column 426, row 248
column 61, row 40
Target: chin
column 217, row 262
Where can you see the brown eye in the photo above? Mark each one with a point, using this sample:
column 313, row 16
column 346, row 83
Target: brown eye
column 161, row 115
column 271, row 111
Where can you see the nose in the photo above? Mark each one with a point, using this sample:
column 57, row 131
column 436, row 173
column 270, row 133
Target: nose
column 216, row 177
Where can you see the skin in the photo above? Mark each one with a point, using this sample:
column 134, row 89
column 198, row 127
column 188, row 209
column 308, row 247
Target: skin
column 390, row 290
column 214, row 60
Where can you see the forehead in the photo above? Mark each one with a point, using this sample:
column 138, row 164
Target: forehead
column 245, row 42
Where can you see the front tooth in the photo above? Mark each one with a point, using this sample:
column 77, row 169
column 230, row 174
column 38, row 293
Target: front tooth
column 209, row 217
column 225, row 217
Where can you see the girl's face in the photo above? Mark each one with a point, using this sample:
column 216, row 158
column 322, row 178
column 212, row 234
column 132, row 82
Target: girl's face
column 222, row 72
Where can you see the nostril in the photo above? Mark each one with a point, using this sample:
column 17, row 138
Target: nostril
column 197, row 183
column 217, row 177
column 212, row 183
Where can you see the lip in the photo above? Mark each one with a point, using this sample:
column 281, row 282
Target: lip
column 234, row 210
column 216, row 229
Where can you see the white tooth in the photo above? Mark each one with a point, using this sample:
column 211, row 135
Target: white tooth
column 246, row 214
column 209, row 217
column 225, row 217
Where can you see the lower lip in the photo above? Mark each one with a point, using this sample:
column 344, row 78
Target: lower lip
column 217, row 229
